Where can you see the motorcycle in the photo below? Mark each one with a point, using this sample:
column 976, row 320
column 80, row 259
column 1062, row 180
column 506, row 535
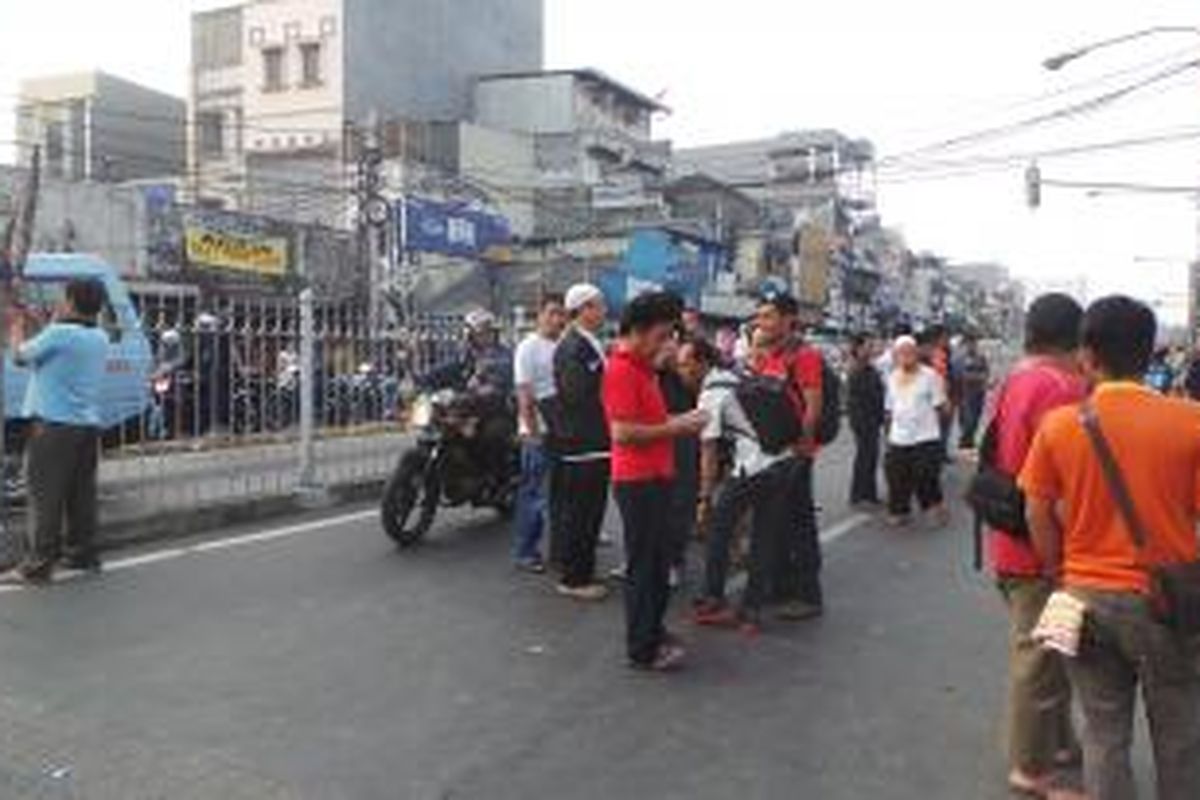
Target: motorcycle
column 445, row 468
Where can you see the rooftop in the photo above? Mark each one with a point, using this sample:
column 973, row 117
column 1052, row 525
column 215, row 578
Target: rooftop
column 587, row 75
column 70, row 85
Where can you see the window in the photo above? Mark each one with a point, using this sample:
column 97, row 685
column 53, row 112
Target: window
column 273, row 69
column 43, row 296
column 210, row 133
column 310, row 64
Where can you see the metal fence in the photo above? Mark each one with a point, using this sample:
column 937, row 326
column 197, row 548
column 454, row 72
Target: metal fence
column 224, row 417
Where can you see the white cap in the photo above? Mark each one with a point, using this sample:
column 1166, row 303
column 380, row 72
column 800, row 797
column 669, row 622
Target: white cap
column 480, row 319
column 905, row 341
column 580, row 295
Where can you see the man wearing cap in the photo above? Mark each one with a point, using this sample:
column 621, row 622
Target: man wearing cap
column 780, row 354
column 582, row 442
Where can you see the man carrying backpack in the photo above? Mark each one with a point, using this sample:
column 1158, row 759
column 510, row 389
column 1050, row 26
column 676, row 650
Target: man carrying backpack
column 756, row 483
column 797, row 568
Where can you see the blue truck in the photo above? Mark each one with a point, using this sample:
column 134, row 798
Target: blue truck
column 125, row 395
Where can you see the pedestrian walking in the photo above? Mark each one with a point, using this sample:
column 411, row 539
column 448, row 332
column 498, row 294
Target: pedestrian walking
column 916, row 405
column 865, row 398
column 757, row 484
column 66, row 362
column 642, row 471
column 779, row 351
column 533, row 373
column 1113, row 492
column 1042, row 747
column 972, row 372
column 583, row 442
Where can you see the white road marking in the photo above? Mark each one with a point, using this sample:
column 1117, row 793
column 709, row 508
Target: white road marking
column 215, row 545
column 831, row 535
column 845, row 526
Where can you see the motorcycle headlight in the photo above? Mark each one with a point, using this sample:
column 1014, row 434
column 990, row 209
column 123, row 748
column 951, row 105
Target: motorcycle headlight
column 422, row 412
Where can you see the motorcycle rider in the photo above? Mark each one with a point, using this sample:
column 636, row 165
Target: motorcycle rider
column 484, row 370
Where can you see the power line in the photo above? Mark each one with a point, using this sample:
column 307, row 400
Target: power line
column 1076, row 109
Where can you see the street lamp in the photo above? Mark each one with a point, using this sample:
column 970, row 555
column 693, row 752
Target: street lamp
column 1055, row 63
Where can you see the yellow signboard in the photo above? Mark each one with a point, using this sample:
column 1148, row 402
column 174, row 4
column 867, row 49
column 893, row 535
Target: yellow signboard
column 258, row 255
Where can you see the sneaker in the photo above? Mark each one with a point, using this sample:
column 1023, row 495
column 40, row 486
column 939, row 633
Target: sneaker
column 533, row 566
column 618, row 573
column 588, row 593
column 799, row 611
column 26, row 578
column 711, row 613
column 669, row 658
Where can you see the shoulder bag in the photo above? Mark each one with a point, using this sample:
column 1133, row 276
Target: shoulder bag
column 1174, row 588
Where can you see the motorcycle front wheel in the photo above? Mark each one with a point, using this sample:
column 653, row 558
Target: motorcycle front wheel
column 410, row 500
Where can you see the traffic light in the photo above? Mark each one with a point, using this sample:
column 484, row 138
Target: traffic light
column 1033, row 186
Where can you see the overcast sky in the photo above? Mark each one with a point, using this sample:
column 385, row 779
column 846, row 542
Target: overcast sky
column 904, row 74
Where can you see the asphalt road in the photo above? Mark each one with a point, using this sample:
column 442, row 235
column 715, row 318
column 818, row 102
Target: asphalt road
column 313, row 661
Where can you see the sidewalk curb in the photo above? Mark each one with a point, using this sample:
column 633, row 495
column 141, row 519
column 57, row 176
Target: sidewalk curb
column 188, row 522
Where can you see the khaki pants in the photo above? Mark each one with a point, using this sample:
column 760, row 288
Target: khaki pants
column 1124, row 647
column 1040, row 733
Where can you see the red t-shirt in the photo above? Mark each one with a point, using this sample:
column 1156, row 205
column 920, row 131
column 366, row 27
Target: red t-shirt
column 632, row 394
column 1035, row 387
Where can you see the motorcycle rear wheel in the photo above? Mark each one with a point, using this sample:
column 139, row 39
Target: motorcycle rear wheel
column 410, row 496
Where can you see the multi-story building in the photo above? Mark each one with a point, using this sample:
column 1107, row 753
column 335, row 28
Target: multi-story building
column 275, row 82
column 598, row 165
column 818, row 188
column 97, row 127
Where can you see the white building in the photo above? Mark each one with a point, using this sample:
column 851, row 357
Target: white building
column 98, row 127
column 281, row 79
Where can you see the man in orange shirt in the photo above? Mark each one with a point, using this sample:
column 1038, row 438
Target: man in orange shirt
column 1085, row 543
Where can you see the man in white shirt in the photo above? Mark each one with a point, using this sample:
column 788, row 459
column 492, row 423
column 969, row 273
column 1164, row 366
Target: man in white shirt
column 533, row 375
column 916, row 403
column 757, row 482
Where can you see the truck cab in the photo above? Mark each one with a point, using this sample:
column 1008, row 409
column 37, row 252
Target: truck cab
column 125, row 394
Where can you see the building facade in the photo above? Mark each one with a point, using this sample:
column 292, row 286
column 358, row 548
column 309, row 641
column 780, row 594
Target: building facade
column 284, row 78
column 92, row 126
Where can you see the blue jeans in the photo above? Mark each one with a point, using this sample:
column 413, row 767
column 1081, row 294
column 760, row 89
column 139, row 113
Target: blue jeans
column 532, row 505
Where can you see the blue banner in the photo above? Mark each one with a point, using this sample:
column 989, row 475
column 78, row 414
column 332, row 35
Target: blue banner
column 454, row 229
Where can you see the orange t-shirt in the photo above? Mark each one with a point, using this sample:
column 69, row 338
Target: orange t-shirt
column 1156, row 441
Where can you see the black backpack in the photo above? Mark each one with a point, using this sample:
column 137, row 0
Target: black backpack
column 830, row 423
column 770, row 405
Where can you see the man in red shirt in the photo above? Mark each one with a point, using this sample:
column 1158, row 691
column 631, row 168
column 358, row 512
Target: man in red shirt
column 1041, row 740
column 643, row 466
column 780, row 353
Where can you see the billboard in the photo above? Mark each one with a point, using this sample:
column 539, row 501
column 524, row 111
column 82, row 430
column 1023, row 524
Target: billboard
column 454, row 229
column 266, row 256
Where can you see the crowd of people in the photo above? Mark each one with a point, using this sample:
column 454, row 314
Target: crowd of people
column 1088, row 483
column 659, row 422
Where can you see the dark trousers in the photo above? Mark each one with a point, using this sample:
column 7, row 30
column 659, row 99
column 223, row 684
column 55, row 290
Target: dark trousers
column 969, row 415
column 766, row 496
column 797, row 573
column 585, row 499
column 645, row 511
column 864, row 487
column 554, row 500
column 915, row 469
column 1125, row 648
column 685, row 493
column 61, row 463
